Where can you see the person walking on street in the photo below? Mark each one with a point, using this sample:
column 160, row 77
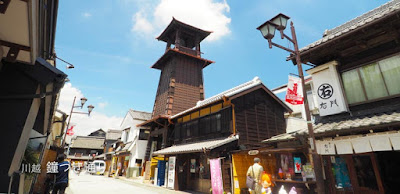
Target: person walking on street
column 62, row 175
column 255, row 171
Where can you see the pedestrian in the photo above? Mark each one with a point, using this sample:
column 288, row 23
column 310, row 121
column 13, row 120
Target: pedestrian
column 255, row 171
column 62, row 175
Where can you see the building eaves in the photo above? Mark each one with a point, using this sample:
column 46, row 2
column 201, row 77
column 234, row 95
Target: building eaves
column 196, row 147
column 356, row 23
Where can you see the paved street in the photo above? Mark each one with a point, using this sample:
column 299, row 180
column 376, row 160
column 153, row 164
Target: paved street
column 85, row 184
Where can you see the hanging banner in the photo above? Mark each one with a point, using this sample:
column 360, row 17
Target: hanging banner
column 216, row 176
column 294, row 93
column 327, row 89
column 171, row 172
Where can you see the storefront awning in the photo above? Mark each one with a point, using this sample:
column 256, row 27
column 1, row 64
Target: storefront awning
column 196, row 147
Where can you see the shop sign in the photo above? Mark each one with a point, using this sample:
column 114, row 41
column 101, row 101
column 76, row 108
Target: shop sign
column 253, row 152
column 171, row 172
column 326, row 147
column 216, row 176
column 294, row 93
column 327, row 89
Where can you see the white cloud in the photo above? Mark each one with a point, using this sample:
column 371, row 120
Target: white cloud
column 84, row 124
column 142, row 25
column 87, row 15
column 205, row 14
column 102, row 105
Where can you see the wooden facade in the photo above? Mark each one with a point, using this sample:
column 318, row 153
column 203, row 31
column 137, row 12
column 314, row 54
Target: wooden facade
column 258, row 117
column 253, row 114
column 181, row 80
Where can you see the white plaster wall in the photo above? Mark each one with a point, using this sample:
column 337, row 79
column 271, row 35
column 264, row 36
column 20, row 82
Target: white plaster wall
column 139, row 148
column 138, row 152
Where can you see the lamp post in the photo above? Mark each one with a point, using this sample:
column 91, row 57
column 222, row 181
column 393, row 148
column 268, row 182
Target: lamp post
column 90, row 109
column 267, row 29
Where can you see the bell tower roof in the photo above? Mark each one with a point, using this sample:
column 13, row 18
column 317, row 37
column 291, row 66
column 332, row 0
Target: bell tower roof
column 190, row 33
column 170, row 53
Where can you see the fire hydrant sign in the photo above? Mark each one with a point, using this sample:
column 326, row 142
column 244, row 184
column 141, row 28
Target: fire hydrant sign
column 294, row 93
column 216, row 177
column 327, row 89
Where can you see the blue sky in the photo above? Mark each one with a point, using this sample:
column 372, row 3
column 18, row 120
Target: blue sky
column 112, row 45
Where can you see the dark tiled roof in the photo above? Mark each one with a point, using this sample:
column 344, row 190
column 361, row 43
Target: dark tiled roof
column 358, row 22
column 372, row 120
column 164, row 36
column 195, row 147
column 140, row 115
column 352, row 123
column 256, row 81
column 89, row 142
column 113, row 134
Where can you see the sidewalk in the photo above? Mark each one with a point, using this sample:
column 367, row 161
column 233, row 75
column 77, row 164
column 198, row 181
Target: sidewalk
column 138, row 181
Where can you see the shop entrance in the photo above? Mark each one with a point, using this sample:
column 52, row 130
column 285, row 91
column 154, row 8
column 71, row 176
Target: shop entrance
column 357, row 173
column 390, row 170
column 183, row 171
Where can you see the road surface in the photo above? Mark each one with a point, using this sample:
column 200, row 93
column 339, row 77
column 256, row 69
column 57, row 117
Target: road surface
column 86, row 184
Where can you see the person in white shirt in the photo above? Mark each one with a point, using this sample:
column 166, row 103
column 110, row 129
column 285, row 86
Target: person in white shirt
column 255, row 171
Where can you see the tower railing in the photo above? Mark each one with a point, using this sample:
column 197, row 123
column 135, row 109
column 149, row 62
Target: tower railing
column 188, row 50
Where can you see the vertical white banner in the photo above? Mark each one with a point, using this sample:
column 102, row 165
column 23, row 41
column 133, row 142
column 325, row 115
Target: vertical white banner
column 171, row 172
column 328, row 90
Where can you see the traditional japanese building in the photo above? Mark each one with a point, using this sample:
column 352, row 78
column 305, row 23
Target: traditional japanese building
column 234, row 120
column 356, row 82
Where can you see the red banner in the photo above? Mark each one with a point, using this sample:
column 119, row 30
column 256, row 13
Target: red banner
column 294, row 93
column 70, row 131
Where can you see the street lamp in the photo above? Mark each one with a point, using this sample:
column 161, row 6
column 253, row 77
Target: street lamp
column 279, row 22
column 90, row 109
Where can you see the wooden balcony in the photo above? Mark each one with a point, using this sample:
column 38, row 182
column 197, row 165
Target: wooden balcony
column 188, row 51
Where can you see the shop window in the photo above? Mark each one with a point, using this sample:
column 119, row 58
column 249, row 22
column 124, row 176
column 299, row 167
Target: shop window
column 365, row 173
column 373, row 81
column 138, row 161
column 391, row 73
column 183, row 131
column 341, row 174
column 143, row 135
column 177, row 131
column 188, row 129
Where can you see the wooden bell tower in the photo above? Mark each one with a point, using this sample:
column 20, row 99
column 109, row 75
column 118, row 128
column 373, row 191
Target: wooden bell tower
column 181, row 80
